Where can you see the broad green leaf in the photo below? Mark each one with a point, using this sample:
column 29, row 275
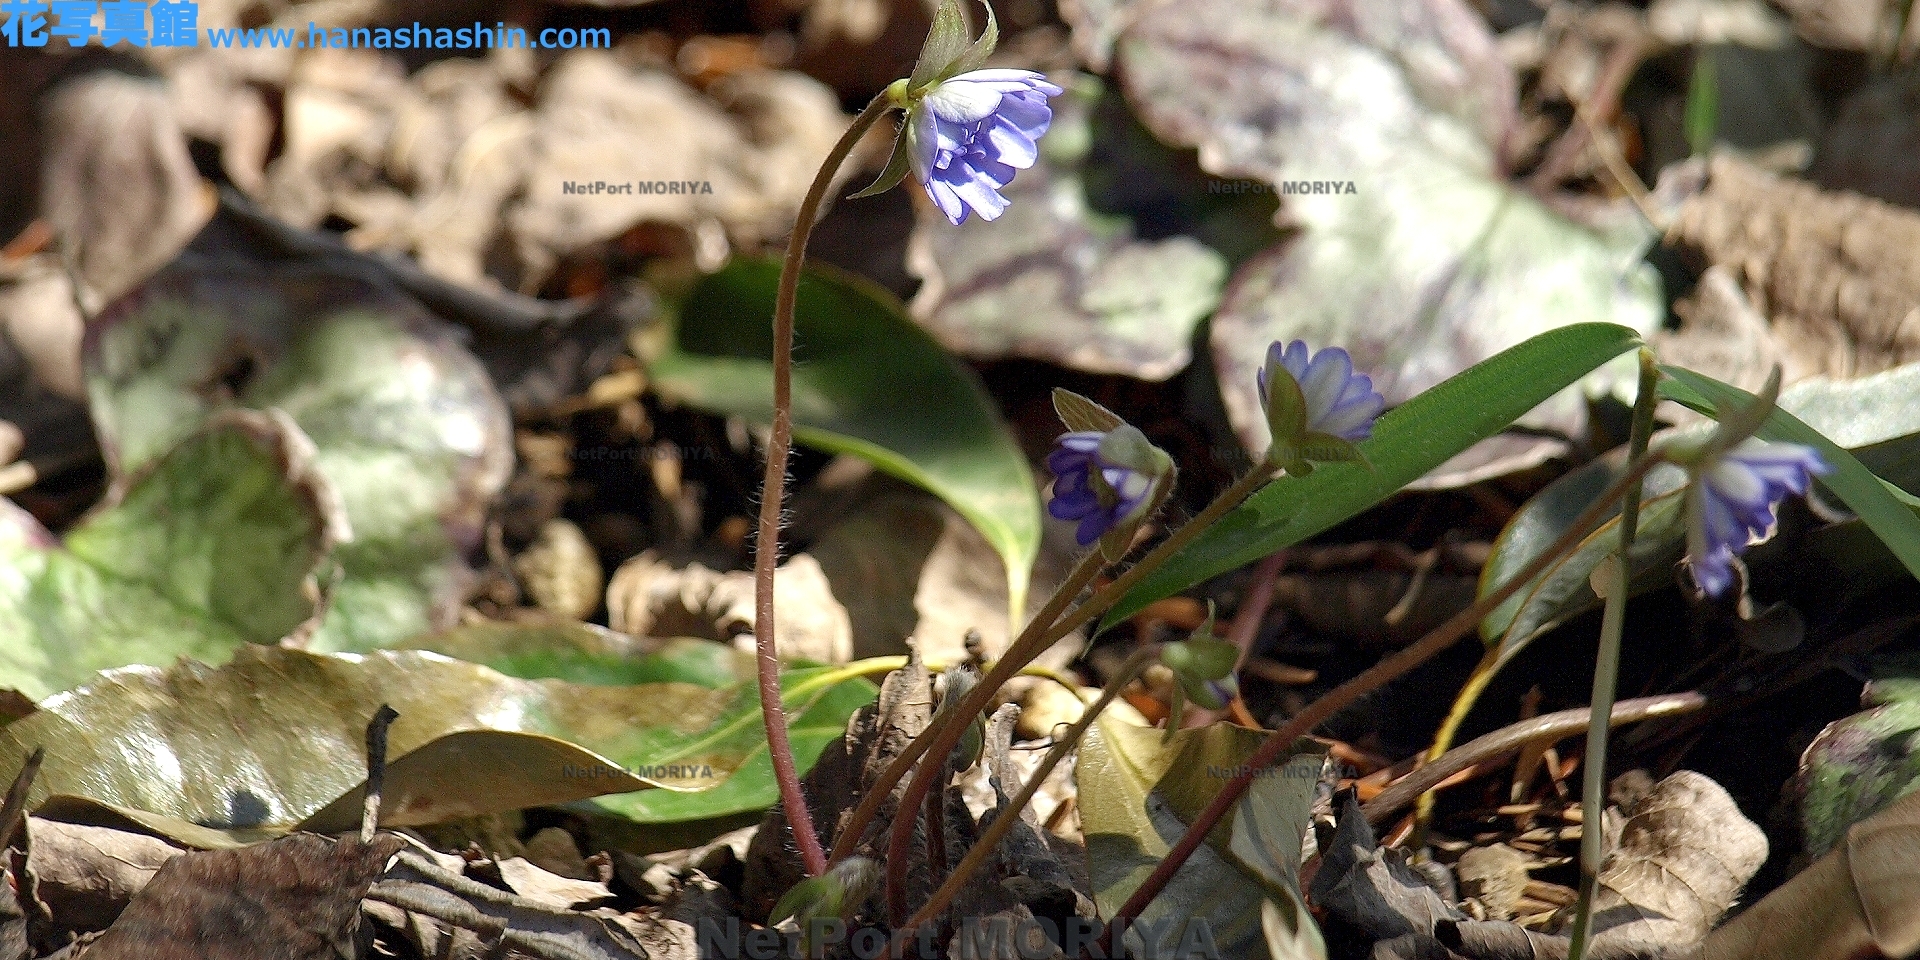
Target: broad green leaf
column 1052, row 280
column 1383, row 132
column 866, row 382
column 1877, row 416
column 1860, row 764
column 216, row 545
column 1268, row 831
column 408, row 426
column 584, row 653
column 1137, row 793
column 1407, row 442
column 276, row 739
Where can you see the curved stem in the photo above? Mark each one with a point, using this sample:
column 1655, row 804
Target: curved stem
column 1449, row 728
column 1003, row 821
column 1606, row 669
column 1282, row 740
column 766, row 546
column 1021, row 653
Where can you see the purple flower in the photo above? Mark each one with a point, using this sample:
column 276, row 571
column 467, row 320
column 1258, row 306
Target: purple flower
column 968, row 134
column 1091, row 483
column 1732, row 500
column 1339, row 402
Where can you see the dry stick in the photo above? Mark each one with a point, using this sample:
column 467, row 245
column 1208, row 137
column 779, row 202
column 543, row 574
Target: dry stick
column 14, row 811
column 376, row 770
column 1545, row 728
column 766, row 546
column 1303, row 723
column 1003, row 821
column 1020, row 654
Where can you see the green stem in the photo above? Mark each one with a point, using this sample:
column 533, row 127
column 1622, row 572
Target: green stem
column 1606, row 669
column 1004, row 820
column 1303, row 723
column 766, row 547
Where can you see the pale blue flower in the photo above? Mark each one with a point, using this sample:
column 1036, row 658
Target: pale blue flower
column 1732, row 500
column 1339, row 402
column 968, row 134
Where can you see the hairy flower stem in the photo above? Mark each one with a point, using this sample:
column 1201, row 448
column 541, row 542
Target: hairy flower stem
column 1021, row 653
column 1003, row 821
column 1606, row 669
column 1303, row 723
column 766, row 546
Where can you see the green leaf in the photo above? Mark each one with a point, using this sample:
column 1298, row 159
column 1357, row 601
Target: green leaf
column 584, row 653
column 214, row 546
column 1408, row 441
column 408, row 426
column 1137, row 794
column 866, row 382
column 276, row 739
column 1268, row 829
column 1877, row 504
column 1872, row 415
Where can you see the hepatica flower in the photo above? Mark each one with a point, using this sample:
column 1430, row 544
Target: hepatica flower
column 1097, row 482
column 1317, row 408
column 967, row 130
column 1732, row 500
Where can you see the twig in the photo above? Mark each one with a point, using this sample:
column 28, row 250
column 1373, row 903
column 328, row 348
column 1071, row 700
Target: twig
column 766, row 546
column 376, row 769
column 1542, row 729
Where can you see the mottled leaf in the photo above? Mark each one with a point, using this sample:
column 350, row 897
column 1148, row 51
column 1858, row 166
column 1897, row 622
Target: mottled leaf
column 218, row 544
column 1382, row 125
column 1052, row 280
column 1861, row 764
column 866, row 382
column 409, row 428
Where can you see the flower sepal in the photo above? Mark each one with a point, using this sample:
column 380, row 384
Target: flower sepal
column 949, row 50
column 1202, row 667
column 832, row 896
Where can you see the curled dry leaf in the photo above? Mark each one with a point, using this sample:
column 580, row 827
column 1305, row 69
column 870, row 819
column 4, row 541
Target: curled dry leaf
column 119, row 190
column 296, row 898
column 87, row 875
column 650, row 597
column 1856, row 901
column 1827, row 269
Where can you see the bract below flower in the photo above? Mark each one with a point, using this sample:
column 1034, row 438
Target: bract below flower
column 1103, row 479
column 967, row 135
column 1732, row 500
